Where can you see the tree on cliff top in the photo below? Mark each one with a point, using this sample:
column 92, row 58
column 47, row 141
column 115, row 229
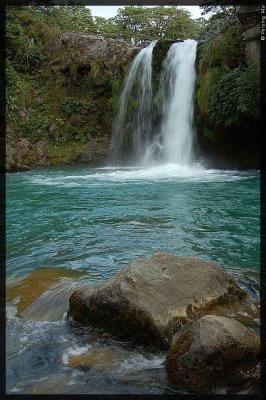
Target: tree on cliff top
column 138, row 24
column 218, row 7
column 67, row 18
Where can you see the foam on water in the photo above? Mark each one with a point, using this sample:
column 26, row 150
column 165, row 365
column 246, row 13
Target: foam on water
column 141, row 362
column 75, row 351
column 169, row 171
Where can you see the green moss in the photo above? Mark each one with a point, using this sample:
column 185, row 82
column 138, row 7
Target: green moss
column 179, row 347
column 34, row 129
column 235, row 292
column 65, row 153
column 159, row 52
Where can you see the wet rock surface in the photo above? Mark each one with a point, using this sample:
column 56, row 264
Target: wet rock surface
column 95, row 151
column 152, row 296
column 43, row 294
column 100, row 358
column 213, row 352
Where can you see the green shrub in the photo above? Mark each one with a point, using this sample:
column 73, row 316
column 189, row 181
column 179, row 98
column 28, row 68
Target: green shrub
column 248, row 90
column 224, row 49
column 17, row 88
column 203, row 92
column 24, row 48
column 34, row 129
column 234, row 95
column 11, row 90
column 71, row 105
column 30, row 52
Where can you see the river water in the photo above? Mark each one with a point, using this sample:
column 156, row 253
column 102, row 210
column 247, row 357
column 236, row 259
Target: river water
column 91, row 222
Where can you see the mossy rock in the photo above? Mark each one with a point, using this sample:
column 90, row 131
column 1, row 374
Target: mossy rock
column 213, row 352
column 159, row 53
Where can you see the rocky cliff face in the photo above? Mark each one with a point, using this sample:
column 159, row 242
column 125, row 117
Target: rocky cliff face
column 68, row 112
column 249, row 17
column 75, row 52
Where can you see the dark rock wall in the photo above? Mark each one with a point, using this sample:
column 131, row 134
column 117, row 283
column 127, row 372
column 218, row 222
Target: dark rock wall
column 249, row 17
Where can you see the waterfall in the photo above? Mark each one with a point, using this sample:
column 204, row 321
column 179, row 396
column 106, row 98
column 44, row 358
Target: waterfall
column 172, row 141
column 133, row 124
column 177, row 86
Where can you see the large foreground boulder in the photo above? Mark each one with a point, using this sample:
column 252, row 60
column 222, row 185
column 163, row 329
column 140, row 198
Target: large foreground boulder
column 151, row 297
column 213, row 352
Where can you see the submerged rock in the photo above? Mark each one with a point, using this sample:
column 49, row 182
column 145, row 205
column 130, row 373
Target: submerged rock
column 101, row 359
column 43, row 294
column 211, row 353
column 151, row 297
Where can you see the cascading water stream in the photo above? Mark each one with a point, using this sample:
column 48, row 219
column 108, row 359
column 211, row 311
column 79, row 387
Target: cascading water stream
column 172, row 141
column 177, row 89
column 133, row 123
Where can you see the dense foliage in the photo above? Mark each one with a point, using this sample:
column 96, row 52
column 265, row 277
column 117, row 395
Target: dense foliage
column 234, row 96
column 40, row 107
column 137, row 24
column 218, row 7
column 228, row 89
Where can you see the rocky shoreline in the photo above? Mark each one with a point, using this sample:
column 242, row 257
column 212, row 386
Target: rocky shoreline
column 169, row 302
column 23, row 155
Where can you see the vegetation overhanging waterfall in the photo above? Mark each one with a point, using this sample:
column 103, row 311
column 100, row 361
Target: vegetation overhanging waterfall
column 171, row 142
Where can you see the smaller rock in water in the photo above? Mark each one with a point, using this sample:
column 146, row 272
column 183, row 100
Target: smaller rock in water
column 153, row 296
column 213, row 352
column 101, row 359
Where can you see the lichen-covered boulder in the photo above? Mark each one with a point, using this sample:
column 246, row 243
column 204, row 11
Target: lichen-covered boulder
column 151, row 297
column 212, row 352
